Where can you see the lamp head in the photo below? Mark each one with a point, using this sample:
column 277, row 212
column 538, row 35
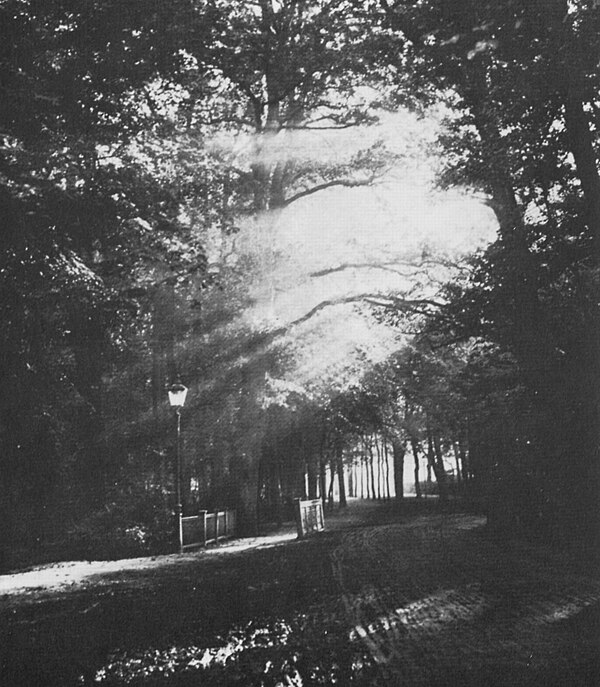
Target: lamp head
column 177, row 393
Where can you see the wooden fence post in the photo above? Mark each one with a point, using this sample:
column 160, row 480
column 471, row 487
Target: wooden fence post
column 203, row 516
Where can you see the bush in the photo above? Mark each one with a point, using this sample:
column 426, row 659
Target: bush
column 130, row 525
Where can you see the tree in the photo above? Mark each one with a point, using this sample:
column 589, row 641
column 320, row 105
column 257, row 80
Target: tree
column 90, row 229
column 521, row 91
column 273, row 73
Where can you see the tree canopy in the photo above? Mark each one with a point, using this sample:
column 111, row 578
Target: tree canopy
column 155, row 161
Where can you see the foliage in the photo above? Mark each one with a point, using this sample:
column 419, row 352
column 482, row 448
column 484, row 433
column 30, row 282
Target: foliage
column 133, row 524
column 134, row 140
column 520, row 92
column 309, row 648
column 105, row 203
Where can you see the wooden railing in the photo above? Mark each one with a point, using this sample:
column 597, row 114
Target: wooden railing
column 208, row 527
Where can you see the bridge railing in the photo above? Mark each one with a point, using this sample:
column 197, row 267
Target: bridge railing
column 208, row 527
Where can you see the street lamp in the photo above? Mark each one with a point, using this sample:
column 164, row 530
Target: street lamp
column 177, row 393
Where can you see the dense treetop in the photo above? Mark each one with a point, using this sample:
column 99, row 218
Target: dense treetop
column 196, row 190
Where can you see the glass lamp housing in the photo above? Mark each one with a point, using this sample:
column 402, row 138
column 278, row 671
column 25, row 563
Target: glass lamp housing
column 177, row 393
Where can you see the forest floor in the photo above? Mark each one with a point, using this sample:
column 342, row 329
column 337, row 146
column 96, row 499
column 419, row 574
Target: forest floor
column 411, row 596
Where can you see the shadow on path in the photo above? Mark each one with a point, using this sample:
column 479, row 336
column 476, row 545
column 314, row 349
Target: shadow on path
column 383, row 597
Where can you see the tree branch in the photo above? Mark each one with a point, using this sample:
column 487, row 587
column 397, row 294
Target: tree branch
column 416, row 267
column 386, row 266
column 227, row 120
column 396, row 303
column 346, row 183
column 390, row 302
column 306, row 127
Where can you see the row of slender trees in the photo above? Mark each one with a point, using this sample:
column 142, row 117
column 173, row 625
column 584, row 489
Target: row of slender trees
column 409, row 410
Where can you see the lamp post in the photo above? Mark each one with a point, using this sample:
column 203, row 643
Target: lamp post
column 177, row 394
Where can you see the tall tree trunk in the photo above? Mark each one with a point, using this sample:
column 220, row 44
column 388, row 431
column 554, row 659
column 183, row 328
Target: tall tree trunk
column 323, row 481
column 276, row 491
column 341, row 483
column 365, row 468
column 372, row 469
column 439, row 469
column 364, row 484
column 247, row 496
column 459, row 475
column 582, row 147
column 386, row 458
column 351, row 487
column 415, row 451
column 464, row 460
column 361, row 475
column 260, row 481
column 312, row 478
column 586, row 486
column 430, row 457
column 378, row 455
column 398, row 453
column 330, row 499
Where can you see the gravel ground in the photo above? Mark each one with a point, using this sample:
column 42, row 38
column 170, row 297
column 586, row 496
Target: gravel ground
column 438, row 603
column 384, row 597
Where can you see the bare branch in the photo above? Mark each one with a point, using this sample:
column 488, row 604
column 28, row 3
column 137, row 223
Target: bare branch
column 334, row 123
column 346, row 183
column 386, row 266
column 327, row 304
column 226, row 120
column 416, row 267
column 397, row 303
column 306, row 127
column 419, row 305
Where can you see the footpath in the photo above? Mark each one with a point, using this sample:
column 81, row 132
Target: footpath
column 383, row 597
column 439, row 603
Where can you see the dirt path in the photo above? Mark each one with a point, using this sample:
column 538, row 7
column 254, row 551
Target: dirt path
column 43, row 580
column 382, row 598
column 437, row 603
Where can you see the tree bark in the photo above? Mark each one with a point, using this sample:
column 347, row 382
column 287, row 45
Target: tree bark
column 398, row 453
column 379, row 470
column 459, row 474
column 361, row 472
column 276, row 491
column 312, row 478
column 439, row 469
column 351, row 480
column 341, row 483
column 323, row 482
column 415, row 451
column 386, row 462
column 372, row 469
column 582, row 147
column 330, row 499
column 247, row 496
